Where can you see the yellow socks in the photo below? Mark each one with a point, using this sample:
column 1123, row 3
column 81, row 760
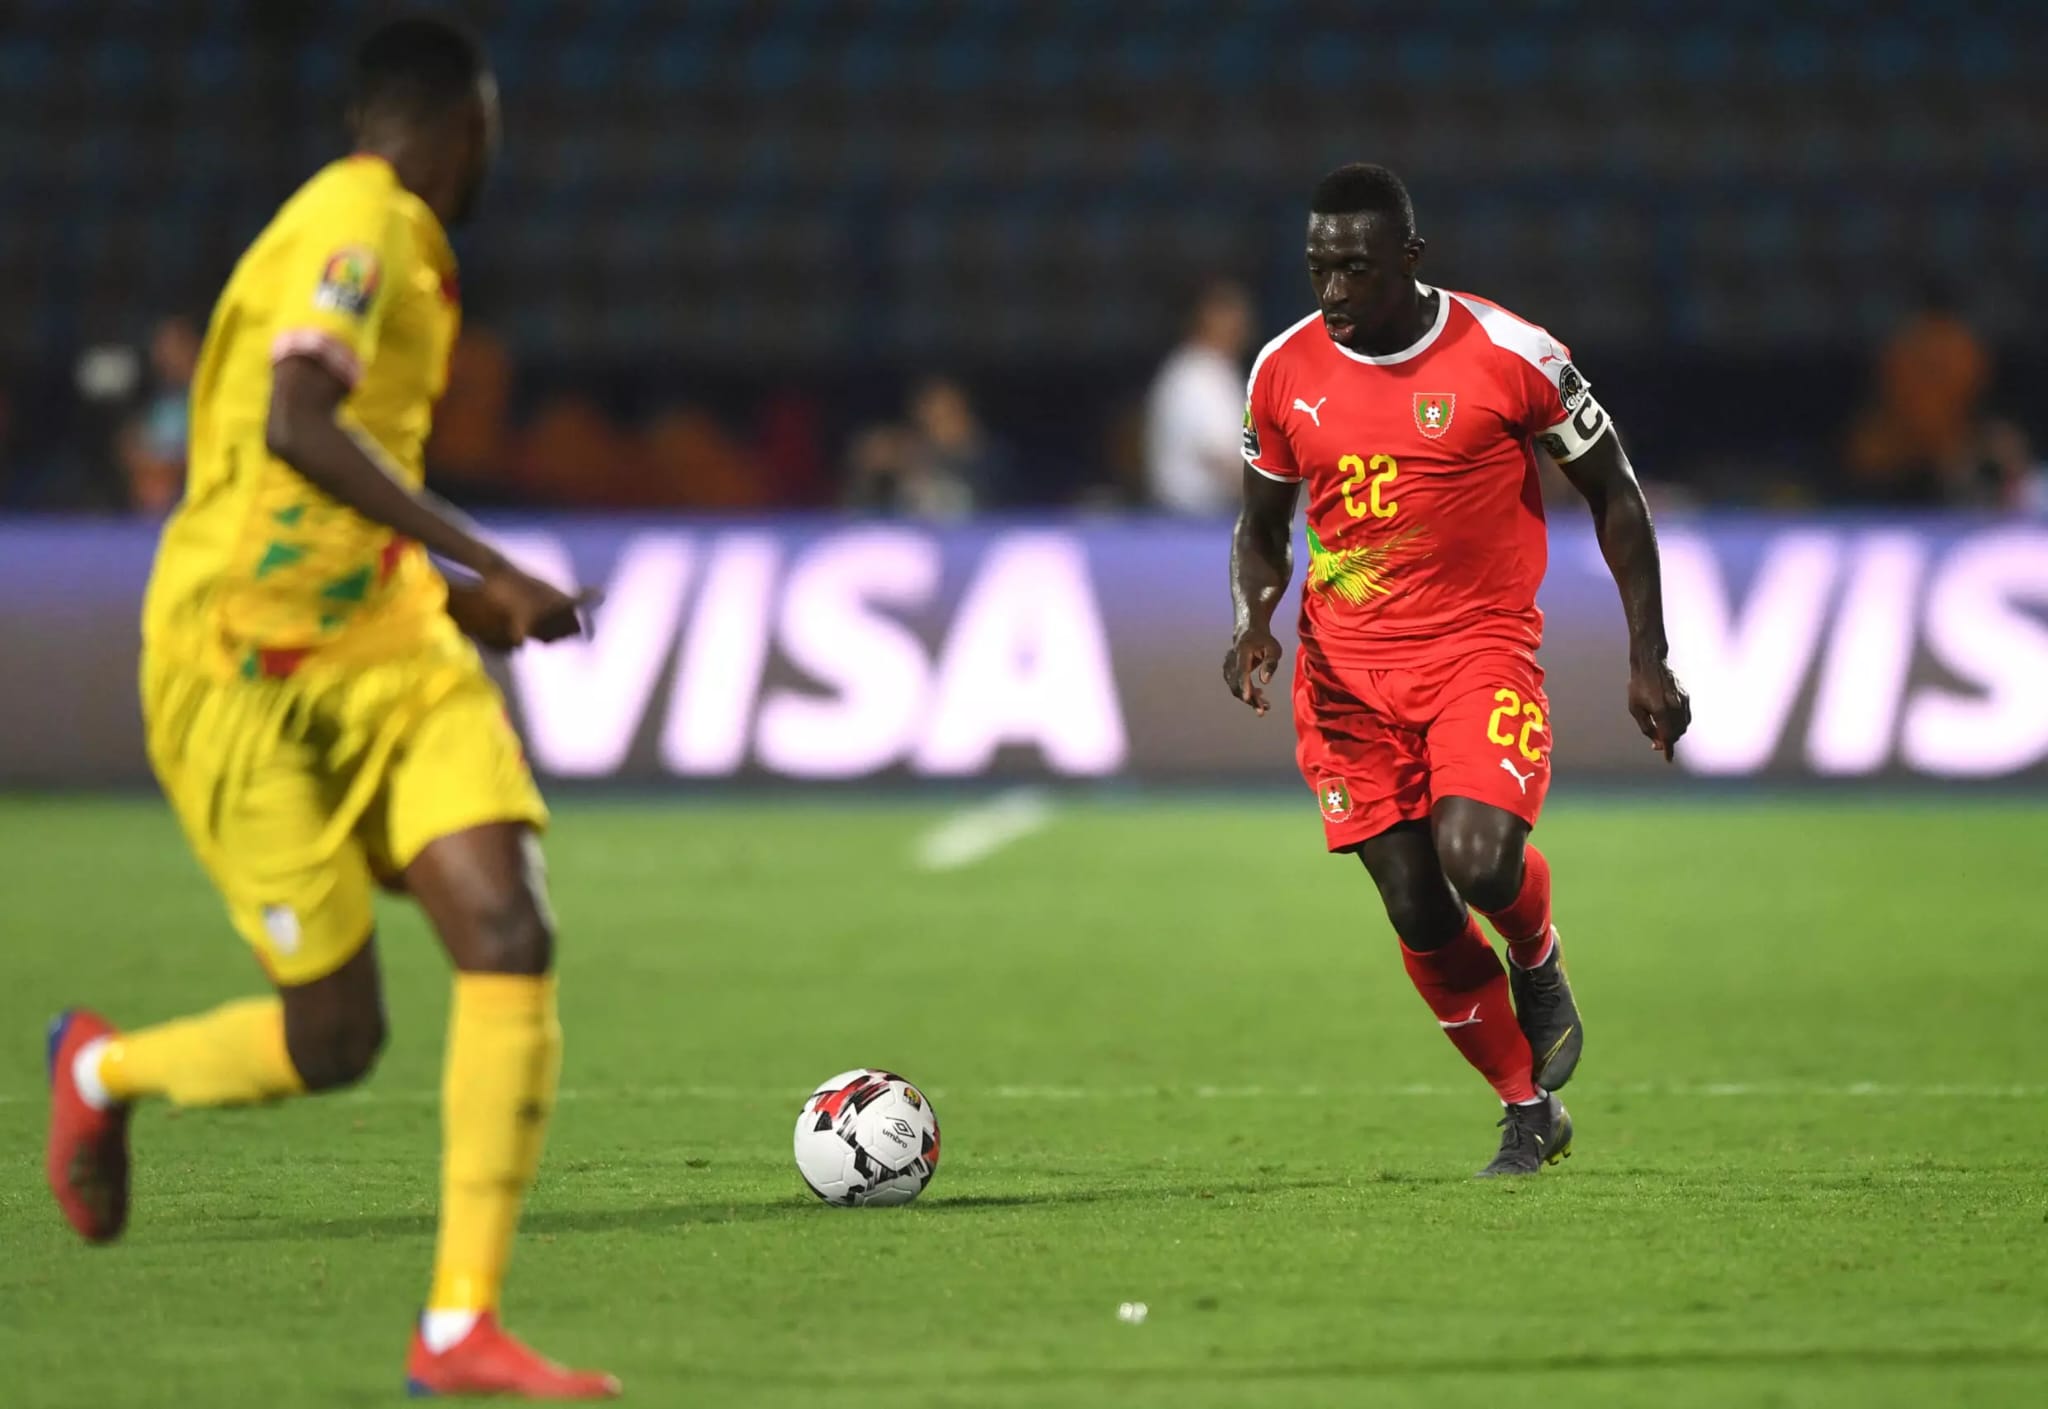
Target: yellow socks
column 228, row 1057
column 497, row 1092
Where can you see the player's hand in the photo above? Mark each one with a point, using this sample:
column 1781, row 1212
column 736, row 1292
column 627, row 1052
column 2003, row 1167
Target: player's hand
column 519, row 607
column 1662, row 709
column 1249, row 664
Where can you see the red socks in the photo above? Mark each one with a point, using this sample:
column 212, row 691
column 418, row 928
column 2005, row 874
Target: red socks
column 1525, row 925
column 1467, row 989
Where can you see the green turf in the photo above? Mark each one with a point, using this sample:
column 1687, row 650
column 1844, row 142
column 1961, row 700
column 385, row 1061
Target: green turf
column 1303, row 1231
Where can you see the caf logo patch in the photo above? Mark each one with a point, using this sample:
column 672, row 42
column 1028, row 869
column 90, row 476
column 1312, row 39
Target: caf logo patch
column 910, row 1095
column 349, row 282
column 1251, row 434
column 1333, row 795
column 1571, row 387
column 1433, row 410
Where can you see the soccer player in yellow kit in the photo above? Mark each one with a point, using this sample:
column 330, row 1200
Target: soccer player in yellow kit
column 320, row 724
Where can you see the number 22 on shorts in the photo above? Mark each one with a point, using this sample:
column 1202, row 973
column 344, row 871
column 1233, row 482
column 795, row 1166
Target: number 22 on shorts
column 1384, row 470
column 1500, row 725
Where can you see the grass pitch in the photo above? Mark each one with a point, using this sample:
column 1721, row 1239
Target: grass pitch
column 1176, row 1062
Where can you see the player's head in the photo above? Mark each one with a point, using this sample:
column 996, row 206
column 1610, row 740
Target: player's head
column 1362, row 251
column 423, row 86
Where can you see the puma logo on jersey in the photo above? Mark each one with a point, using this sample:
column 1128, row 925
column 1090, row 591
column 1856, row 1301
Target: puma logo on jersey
column 1548, row 357
column 1315, row 412
column 1519, row 775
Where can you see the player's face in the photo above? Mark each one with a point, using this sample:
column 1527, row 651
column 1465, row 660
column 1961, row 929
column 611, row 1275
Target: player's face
column 1363, row 273
column 481, row 125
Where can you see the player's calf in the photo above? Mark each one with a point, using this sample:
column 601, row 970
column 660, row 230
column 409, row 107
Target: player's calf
column 1421, row 905
column 334, row 1028
column 337, row 1053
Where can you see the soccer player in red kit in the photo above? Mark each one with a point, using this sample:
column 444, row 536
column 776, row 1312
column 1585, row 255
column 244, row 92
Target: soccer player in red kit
column 1411, row 414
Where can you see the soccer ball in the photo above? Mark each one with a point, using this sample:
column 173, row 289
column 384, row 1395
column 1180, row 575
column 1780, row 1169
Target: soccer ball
column 867, row 1137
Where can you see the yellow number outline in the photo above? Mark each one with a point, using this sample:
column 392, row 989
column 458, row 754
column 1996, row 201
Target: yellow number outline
column 1384, row 470
column 1384, row 477
column 1354, row 466
column 1509, row 707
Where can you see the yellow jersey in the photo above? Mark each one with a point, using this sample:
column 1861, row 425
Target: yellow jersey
column 257, row 571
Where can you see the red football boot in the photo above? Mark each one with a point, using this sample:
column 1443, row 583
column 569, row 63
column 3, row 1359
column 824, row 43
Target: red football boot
column 488, row 1361
column 87, row 1156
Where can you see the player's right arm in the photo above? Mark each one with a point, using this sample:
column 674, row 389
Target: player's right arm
column 1261, row 550
column 334, row 297
column 305, row 429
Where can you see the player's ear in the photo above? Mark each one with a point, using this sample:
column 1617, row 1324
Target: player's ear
column 1413, row 252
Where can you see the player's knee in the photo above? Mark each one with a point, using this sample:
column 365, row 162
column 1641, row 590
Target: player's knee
column 1422, row 910
column 1485, row 866
column 1424, row 923
column 512, row 936
column 337, row 1053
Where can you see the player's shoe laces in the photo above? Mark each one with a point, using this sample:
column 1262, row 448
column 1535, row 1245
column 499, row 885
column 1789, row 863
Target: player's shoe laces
column 1532, row 1136
column 86, row 1160
column 1549, row 1016
column 488, row 1361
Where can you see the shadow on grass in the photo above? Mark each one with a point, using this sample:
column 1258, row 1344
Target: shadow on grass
column 657, row 1217
column 1704, row 1358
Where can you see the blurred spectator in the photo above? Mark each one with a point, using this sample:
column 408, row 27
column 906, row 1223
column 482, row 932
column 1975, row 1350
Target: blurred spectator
column 151, row 445
column 943, row 464
column 1195, row 418
column 1121, row 487
column 792, row 456
column 573, row 455
column 689, row 461
column 1927, row 439
column 469, row 457
column 13, row 485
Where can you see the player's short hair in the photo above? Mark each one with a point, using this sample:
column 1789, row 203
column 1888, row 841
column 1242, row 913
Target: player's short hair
column 417, row 67
column 1361, row 188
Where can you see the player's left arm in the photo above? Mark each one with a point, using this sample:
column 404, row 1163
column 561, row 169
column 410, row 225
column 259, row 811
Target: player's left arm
column 1588, row 449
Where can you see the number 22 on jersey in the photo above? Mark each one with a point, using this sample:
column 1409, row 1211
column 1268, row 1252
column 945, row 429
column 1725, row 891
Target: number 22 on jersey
column 1500, row 725
column 1383, row 471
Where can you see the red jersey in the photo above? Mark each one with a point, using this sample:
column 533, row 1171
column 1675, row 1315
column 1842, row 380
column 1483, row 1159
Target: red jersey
column 1425, row 521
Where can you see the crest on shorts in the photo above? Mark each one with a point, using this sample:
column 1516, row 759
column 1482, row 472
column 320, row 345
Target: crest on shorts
column 281, row 923
column 1433, row 410
column 348, row 283
column 1333, row 795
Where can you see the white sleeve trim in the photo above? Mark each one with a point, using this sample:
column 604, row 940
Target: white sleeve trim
column 324, row 348
column 1532, row 344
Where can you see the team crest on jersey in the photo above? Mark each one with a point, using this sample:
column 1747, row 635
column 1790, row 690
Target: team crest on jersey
column 1333, row 795
column 1433, row 410
column 1251, row 434
column 349, row 282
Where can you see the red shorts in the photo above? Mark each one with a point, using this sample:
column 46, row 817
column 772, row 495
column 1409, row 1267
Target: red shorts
column 1380, row 746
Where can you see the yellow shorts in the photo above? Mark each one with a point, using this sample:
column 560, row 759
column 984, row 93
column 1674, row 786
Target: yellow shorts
column 300, row 794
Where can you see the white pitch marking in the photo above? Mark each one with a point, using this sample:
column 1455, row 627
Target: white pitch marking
column 979, row 832
column 1780, row 1090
